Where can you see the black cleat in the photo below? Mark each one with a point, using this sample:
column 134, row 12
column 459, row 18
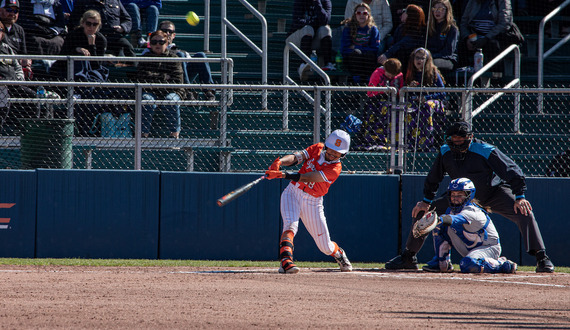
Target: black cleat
column 544, row 265
column 404, row 261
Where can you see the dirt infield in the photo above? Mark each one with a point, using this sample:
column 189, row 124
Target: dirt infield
column 187, row 297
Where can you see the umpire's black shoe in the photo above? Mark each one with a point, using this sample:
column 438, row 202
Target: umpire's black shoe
column 406, row 260
column 544, row 265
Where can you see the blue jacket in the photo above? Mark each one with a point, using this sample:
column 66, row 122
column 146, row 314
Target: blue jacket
column 443, row 45
column 368, row 40
column 403, row 45
column 315, row 13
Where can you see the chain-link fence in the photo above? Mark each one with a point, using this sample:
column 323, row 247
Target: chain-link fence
column 234, row 131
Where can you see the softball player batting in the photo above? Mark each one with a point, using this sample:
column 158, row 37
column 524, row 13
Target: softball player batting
column 303, row 197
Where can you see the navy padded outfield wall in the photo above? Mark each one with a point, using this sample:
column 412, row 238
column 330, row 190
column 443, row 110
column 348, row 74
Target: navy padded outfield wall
column 97, row 214
column 17, row 213
column 361, row 211
column 173, row 215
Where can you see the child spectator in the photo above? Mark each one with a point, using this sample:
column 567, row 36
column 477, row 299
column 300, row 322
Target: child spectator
column 360, row 41
column 376, row 123
column 442, row 35
column 426, row 114
column 409, row 35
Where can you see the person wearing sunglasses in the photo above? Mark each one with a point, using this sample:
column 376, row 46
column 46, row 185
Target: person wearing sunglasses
column 379, row 10
column 360, row 43
column 115, row 24
column 200, row 70
column 161, row 72
column 426, row 113
column 84, row 40
column 14, row 34
column 44, row 23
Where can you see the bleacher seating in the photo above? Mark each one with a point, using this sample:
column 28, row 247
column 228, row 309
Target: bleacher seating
column 246, row 124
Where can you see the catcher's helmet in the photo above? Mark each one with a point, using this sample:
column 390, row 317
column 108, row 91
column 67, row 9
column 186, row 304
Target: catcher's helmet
column 461, row 184
column 460, row 128
column 339, row 140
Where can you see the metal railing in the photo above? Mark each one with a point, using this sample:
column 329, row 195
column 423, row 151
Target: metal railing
column 543, row 55
column 287, row 80
column 467, row 107
column 262, row 52
column 246, row 137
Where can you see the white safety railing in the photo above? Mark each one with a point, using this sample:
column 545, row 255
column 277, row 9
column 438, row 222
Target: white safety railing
column 467, row 105
column 262, row 52
column 543, row 55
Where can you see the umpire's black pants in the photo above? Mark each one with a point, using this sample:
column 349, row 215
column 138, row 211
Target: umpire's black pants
column 500, row 202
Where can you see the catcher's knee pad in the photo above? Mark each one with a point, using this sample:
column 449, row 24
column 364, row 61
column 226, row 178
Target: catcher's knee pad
column 471, row 265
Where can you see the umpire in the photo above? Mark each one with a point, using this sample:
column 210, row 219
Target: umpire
column 500, row 187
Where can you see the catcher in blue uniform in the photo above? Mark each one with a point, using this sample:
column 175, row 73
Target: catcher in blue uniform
column 467, row 228
column 501, row 188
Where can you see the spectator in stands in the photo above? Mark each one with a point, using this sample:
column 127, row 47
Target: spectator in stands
column 487, row 19
column 150, row 11
column 427, row 115
column 442, row 35
column 560, row 165
column 115, row 20
column 409, row 35
column 44, row 23
column 191, row 70
column 398, row 7
column 360, row 42
column 10, row 69
column 14, row 34
column 161, row 73
column 84, row 40
column 376, row 119
column 379, row 10
column 310, row 30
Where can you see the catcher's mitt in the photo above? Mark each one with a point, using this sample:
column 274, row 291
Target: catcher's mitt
column 426, row 224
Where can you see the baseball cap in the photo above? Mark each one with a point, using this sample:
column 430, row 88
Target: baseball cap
column 459, row 128
column 9, row 3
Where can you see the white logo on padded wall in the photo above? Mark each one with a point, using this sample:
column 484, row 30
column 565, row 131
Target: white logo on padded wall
column 5, row 222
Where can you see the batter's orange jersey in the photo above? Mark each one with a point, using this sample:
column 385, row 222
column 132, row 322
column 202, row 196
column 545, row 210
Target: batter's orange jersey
column 330, row 171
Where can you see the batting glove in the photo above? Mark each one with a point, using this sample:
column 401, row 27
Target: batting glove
column 271, row 174
column 275, row 165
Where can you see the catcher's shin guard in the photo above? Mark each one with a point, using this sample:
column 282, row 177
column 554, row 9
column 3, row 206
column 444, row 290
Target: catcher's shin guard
column 286, row 254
